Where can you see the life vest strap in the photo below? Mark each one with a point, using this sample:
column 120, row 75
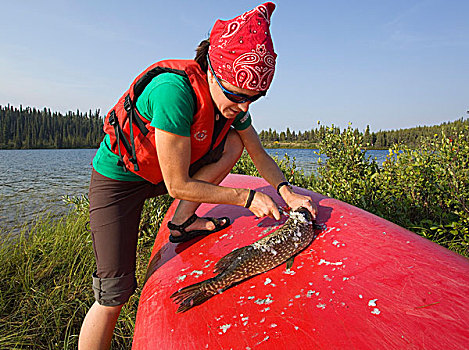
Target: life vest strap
column 119, row 137
column 136, row 118
column 130, row 114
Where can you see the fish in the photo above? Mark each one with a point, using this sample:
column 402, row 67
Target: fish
column 279, row 247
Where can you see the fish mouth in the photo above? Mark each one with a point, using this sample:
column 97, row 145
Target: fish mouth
column 305, row 212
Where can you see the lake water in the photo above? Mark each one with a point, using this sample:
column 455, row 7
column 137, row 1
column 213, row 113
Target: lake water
column 33, row 181
column 307, row 159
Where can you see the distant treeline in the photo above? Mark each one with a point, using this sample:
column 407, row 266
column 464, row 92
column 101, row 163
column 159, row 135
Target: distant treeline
column 381, row 139
column 24, row 128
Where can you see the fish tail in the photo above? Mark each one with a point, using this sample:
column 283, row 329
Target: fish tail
column 192, row 295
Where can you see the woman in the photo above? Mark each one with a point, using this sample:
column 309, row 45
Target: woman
column 181, row 127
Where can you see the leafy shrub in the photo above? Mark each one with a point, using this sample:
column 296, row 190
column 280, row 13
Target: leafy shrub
column 430, row 188
column 153, row 214
column 345, row 168
column 80, row 204
column 425, row 190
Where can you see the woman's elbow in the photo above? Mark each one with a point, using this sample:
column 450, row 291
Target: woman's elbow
column 176, row 189
column 172, row 193
column 173, row 189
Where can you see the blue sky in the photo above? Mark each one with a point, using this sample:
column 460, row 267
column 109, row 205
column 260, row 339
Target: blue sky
column 388, row 64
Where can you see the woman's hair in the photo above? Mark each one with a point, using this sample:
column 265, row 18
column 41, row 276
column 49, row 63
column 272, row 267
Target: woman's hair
column 201, row 54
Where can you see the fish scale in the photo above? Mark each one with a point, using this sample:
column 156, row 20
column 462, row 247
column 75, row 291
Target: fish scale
column 263, row 255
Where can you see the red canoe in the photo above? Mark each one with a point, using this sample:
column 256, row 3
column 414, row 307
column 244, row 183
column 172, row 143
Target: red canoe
column 364, row 283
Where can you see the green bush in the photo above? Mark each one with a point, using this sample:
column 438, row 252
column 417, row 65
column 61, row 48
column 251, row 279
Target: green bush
column 425, row 190
column 346, row 167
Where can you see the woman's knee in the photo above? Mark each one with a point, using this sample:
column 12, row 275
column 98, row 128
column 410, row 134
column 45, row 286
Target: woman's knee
column 234, row 145
column 109, row 310
column 114, row 291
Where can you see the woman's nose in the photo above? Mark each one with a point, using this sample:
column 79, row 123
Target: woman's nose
column 244, row 106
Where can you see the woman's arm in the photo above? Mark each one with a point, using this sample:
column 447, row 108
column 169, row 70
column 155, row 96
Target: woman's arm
column 174, row 153
column 270, row 171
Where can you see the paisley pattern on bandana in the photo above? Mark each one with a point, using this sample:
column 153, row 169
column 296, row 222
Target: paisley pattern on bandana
column 234, row 26
column 241, row 49
column 246, row 15
column 263, row 10
column 231, row 30
column 250, row 74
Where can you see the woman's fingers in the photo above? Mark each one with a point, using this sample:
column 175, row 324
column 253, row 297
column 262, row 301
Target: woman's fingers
column 299, row 200
column 263, row 205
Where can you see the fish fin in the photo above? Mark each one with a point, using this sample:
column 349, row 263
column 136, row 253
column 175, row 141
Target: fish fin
column 290, row 262
column 191, row 296
column 224, row 262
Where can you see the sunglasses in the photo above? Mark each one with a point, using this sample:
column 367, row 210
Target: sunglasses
column 233, row 97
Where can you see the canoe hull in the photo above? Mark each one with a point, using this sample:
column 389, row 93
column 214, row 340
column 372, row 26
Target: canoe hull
column 364, row 283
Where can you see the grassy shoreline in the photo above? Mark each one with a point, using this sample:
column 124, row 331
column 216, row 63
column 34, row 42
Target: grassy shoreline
column 46, row 279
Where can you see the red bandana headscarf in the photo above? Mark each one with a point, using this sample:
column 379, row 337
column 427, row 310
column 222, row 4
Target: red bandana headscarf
column 241, row 50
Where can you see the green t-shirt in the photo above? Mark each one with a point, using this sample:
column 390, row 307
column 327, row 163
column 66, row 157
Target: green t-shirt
column 168, row 103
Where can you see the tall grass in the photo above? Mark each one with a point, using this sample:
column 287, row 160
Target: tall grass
column 45, row 273
column 45, row 284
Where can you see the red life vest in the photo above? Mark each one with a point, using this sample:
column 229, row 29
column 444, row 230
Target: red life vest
column 136, row 146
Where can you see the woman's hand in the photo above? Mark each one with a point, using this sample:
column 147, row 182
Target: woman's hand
column 263, row 205
column 295, row 200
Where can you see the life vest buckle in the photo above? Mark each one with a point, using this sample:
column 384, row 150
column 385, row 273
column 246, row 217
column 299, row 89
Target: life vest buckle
column 127, row 103
column 112, row 118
